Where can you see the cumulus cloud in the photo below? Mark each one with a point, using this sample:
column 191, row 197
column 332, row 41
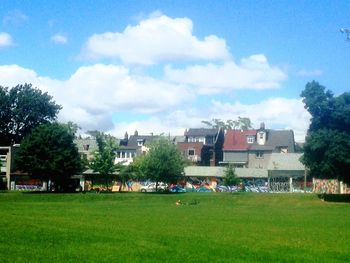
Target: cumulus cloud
column 5, row 39
column 93, row 93
column 158, row 38
column 59, row 39
column 253, row 72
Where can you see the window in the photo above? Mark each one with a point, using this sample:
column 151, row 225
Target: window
column 191, row 152
column 261, row 134
column 86, row 147
column 259, row 154
column 250, row 139
column 139, row 142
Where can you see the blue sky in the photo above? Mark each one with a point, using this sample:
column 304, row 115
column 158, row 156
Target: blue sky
column 163, row 66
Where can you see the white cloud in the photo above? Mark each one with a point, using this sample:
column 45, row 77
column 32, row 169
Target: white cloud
column 309, row 73
column 91, row 95
column 59, row 39
column 156, row 39
column 5, row 39
column 12, row 75
column 253, row 72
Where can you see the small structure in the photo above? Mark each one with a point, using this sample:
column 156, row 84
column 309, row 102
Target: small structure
column 5, row 166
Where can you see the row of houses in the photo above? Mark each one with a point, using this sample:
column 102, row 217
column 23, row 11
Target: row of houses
column 263, row 155
column 208, row 147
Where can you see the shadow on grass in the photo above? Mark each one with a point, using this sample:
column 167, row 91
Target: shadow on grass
column 339, row 198
column 163, row 193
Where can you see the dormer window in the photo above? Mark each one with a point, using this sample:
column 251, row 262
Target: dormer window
column 139, row 142
column 250, row 139
column 284, row 149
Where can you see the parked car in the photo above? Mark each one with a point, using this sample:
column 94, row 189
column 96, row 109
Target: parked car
column 151, row 187
column 177, row 189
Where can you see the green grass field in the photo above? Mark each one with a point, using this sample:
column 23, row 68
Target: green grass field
column 208, row 227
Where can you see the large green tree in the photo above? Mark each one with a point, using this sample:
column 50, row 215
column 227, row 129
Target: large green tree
column 327, row 146
column 49, row 153
column 163, row 162
column 104, row 157
column 23, row 108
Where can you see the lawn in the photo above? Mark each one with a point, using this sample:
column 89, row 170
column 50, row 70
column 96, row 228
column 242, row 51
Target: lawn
column 207, row 227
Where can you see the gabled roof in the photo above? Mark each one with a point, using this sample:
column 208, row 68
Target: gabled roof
column 145, row 138
column 236, row 140
column 201, row 132
column 276, row 139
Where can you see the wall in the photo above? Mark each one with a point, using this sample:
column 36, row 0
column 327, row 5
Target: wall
column 258, row 163
column 325, row 186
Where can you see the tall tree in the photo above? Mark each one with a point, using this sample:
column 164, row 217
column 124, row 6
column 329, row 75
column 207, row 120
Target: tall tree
column 49, row 153
column 243, row 123
column 327, row 146
column 103, row 159
column 23, row 108
column 163, row 162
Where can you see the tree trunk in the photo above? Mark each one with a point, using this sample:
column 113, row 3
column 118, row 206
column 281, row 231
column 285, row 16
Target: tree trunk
column 120, row 186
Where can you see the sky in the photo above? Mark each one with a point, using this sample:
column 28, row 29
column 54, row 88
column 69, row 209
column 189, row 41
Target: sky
column 164, row 66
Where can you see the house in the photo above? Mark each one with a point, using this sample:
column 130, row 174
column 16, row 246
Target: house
column 253, row 148
column 133, row 146
column 203, row 146
column 86, row 147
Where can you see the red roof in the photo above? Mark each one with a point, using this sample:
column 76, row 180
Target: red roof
column 236, row 140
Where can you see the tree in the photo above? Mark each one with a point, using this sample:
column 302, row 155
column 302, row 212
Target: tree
column 163, row 162
column 23, row 108
column 230, row 177
column 103, row 159
column 49, row 153
column 243, row 123
column 126, row 173
column 327, row 146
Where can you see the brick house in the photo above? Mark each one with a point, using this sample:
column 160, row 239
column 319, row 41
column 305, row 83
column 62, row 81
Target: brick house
column 203, row 146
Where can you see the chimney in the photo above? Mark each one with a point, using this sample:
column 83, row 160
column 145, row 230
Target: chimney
column 136, row 133
column 262, row 126
column 126, row 136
